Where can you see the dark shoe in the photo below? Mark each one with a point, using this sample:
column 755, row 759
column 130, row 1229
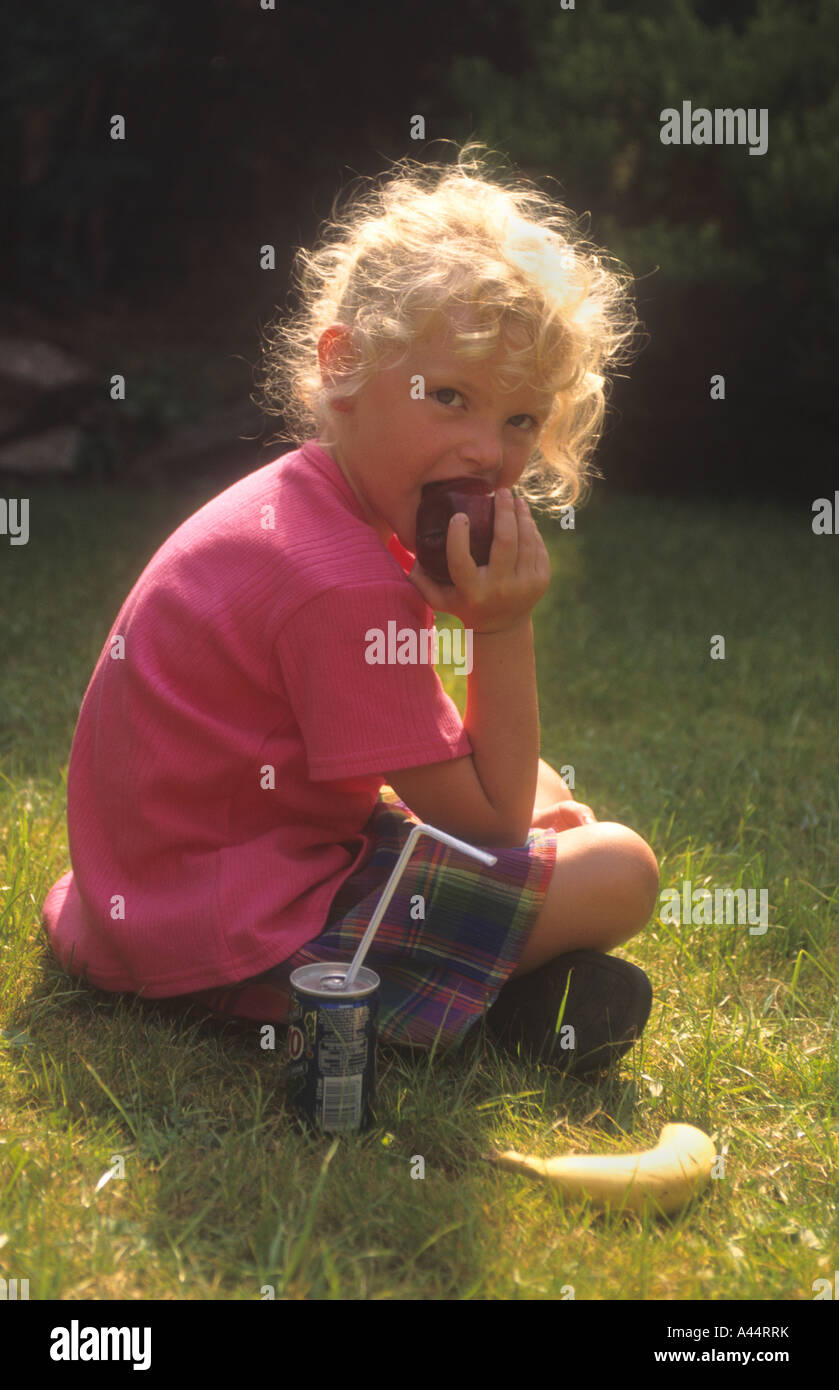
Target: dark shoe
column 608, row 1003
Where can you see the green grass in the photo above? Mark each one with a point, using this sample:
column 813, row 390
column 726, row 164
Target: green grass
column 728, row 768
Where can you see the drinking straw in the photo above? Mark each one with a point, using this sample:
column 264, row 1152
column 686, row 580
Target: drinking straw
column 390, row 886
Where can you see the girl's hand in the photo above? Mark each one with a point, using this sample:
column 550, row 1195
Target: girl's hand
column 493, row 597
column 563, row 815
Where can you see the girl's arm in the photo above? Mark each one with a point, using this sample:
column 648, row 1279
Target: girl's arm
column 488, row 797
column 500, row 792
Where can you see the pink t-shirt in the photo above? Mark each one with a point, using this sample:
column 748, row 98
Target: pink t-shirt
column 231, row 746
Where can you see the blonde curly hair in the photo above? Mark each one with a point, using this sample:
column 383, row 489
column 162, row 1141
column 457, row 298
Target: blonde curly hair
column 444, row 246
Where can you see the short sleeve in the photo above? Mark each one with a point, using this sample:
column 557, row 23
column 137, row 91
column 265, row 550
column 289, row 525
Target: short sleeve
column 359, row 713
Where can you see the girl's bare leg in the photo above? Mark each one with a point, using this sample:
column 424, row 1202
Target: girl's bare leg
column 604, row 890
column 550, row 787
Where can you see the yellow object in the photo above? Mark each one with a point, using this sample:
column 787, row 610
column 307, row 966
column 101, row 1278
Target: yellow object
column 660, row 1179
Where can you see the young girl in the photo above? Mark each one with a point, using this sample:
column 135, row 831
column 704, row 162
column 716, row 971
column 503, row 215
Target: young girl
column 225, row 809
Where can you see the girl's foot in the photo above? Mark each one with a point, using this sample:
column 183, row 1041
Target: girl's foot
column 607, row 1005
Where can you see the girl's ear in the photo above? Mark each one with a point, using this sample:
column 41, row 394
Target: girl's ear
column 335, row 353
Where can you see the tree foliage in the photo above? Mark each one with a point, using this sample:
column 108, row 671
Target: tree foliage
column 587, row 111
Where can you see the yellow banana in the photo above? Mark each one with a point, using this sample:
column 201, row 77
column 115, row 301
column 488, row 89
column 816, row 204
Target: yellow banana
column 661, row 1179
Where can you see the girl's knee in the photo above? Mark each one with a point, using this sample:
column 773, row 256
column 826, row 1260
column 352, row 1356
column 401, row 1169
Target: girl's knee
column 632, row 871
column 604, row 889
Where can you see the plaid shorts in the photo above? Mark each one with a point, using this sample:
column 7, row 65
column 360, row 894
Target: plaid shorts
column 442, row 962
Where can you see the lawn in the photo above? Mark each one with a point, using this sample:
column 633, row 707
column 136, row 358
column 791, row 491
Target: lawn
column 728, row 767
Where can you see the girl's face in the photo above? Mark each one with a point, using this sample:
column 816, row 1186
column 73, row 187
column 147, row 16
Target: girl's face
column 389, row 444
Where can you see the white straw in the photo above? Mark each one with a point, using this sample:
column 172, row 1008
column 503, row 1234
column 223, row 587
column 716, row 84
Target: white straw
column 390, row 887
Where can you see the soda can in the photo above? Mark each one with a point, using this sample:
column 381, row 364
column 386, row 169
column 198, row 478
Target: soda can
column 332, row 1047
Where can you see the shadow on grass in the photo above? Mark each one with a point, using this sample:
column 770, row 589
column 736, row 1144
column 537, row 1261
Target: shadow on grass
column 169, row 1071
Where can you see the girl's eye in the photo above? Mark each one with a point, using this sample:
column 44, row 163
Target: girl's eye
column 533, row 423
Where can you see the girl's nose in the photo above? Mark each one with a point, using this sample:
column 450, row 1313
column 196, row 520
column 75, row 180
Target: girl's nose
column 483, row 452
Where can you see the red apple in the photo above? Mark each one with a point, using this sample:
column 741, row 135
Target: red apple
column 438, row 504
